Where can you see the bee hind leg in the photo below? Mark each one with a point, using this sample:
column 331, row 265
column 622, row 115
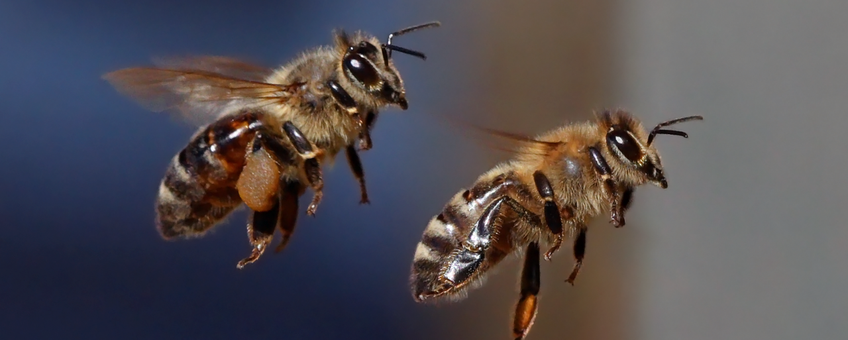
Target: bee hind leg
column 260, row 232
column 525, row 309
column 288, row 213
column 259, row 181
column 311, row 165
column 260, row 189
column 466, row 262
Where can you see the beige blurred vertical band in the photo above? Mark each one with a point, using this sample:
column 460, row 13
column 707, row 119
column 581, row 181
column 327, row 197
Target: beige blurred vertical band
column 547, row 63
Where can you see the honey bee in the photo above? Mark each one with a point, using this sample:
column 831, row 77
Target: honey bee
column 555, row 183
column 270, row 130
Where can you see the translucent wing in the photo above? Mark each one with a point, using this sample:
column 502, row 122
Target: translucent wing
column 516, row 143
column 224, row 66
column 199, row 88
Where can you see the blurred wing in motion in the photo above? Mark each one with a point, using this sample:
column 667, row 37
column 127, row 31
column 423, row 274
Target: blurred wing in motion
column 199, row 88
column 224, row 66
column 516, row 143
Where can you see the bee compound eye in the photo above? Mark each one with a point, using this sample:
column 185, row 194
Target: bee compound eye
column 623, row 142
column 361, row 69
column 367, row 49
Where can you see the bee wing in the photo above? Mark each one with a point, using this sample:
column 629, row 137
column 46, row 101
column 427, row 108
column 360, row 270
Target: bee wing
column 200, row 88
column 224, row 66
column 517, row 143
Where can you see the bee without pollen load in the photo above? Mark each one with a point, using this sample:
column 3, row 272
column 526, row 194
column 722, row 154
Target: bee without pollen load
column 559, row 179
column 270, row 130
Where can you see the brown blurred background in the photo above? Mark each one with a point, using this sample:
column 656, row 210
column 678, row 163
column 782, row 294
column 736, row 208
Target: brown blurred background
column 748, row 241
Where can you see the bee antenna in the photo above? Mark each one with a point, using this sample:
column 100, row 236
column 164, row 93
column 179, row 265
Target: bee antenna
column 658, row 130
column 403, row 50
column 388, row 47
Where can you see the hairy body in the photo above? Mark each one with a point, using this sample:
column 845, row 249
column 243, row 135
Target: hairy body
column 554, row 185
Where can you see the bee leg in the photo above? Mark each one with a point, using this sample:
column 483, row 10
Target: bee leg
column 356, row 167
column 553, row 219
column 466, row 262
column 311, row 166
column 313, row 175
column 579, row 250
column 601, row 166
column 288, row 213
column 349, row 104
column 627, row 198
column 260, row 232
column 259, row 181
column 365, row 135
column 504, row 189
column 342, row 97
column 525, row 309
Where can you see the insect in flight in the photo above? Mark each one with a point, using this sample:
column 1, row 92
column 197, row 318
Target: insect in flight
column 267, row 132
column 553, row 185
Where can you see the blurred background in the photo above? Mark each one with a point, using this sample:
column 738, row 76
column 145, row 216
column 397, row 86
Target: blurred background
column 748, row 241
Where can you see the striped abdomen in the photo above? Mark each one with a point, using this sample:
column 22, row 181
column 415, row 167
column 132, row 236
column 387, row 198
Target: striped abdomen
column 459, row 244
column 199, row 187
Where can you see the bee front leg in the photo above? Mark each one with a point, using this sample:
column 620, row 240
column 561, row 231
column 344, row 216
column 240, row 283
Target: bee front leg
column 349, row 104
column 313, row 175
column 365, row 134
column 525, row 309
column 356, row 168
column 310, row 163
column 627, row 198
column 603, row 169
column 553, row 219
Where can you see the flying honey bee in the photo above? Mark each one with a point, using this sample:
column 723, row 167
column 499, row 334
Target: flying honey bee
column 555, row 183
column 270, row 130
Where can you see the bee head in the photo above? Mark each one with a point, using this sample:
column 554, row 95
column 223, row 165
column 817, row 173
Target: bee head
column 369, row 67
column 631, row 147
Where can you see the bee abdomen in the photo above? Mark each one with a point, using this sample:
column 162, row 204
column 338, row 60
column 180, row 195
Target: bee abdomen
column 438, row 244
column 198, row 189
column 181, row 219
column 439, row 239
column 180, row 206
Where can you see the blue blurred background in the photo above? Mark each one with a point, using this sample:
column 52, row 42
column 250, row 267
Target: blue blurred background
column 748, row 242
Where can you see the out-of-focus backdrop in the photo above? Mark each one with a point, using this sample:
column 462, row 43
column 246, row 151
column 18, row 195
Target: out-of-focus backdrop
column 748, row 242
